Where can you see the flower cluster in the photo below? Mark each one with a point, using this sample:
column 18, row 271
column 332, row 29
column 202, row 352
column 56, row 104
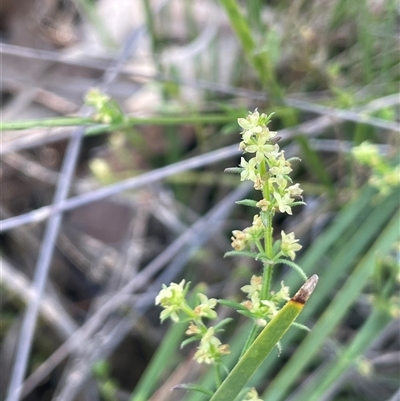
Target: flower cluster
column 107, row 109
column 172, row 299
column 268, row 169
column 385, row 176
column 249, row 235
column 210, row 349
column 262, row 310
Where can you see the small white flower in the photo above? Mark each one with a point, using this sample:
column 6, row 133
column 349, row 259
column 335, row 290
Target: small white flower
column 210, row 349
column 250, row 125
column 239, row 240
column 205, row 309
column 280, row 168
column 261, row 148
column 172, row 299
column 253, row 287
column 289, row 245
column 249, row 172
column 283, row 202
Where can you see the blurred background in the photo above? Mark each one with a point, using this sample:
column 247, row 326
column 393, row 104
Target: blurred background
column 149, row 202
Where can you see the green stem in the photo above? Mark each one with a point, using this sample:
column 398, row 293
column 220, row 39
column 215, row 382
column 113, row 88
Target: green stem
column 259, row 246
column 50, row 122
column 129, row 121
column 263, row 171
column 267, row 270
column 266, row 283
column 269, row 232
column 218, row 376
column 339, row 366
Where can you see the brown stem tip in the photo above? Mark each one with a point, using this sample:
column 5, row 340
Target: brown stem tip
column 306, row 290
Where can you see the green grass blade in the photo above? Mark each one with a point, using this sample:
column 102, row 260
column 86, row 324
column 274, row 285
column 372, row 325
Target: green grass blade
column 264, row 344
column 260, row 61
column 338, row 367
column 334, row 314
column 160, row 363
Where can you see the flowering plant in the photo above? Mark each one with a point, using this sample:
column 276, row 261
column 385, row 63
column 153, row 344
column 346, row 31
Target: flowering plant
column 269, row 170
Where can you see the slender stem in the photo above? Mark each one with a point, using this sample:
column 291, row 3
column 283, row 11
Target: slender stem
column 129, row 121
column 269, row 232
column 263, row 169
column 266, row 283
column 218, row 377
column 189, row 312
column 268, row 236
column 267, row 271
column 49, row 122
column 259, row 246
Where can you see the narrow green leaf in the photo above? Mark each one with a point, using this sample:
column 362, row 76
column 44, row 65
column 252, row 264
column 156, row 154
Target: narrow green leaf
column 188, row 341
column 264, row 344
column 233, row 170
column 249, row 254
column 223, row 322
column 231, row 304
column 247, row 202
column 193, row 387
column 264, row 218
column 294, row 266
